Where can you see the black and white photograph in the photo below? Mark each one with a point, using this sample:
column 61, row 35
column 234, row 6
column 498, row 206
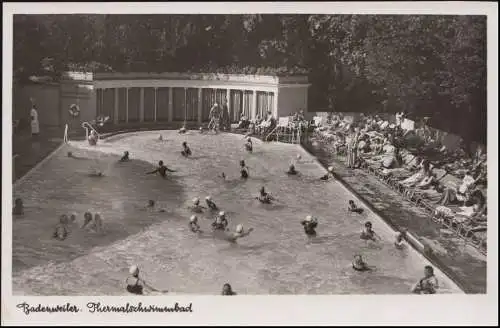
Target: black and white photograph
column 173, row 153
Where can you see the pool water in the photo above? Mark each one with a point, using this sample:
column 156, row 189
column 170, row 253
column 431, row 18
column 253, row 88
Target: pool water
column 276, row 258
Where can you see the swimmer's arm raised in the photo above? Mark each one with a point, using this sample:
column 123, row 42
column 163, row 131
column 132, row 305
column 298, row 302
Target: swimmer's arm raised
column 153, row 172
column 170, row 170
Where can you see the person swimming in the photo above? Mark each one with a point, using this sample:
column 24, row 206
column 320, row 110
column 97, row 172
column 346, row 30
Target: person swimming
column 201, row 129
column 160, row 138
column 238, row 233
column 400, row 239
column 196, row 207
column 162, row 169
column 72, row 218
column 249, row 145
column 97, row 223
column 310, row 224
column 193, row 224
column 220, row 222
column 183, row 130
column 18, row 207
column 137, row 285
column 264, row 197
column 125, row 157
column 353, row 208
column 186, row 151
column 359, row 265
column 227, row 290
column 243, row 170
column 291, row 170
column 211, row 205
column 61, row 230
column 428, row 284
column 368, row 233
column 87, row 218
column 328, row 175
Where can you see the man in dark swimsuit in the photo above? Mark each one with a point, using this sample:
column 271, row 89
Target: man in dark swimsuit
column 243, row 170
column 186, row 152
column 125, row 157
column 162, row 169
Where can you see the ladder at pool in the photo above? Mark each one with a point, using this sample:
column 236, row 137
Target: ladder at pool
column 87, row 126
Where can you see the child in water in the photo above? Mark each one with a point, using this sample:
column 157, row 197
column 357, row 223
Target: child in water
column 400, row 239
column 197, row 208
column 193, row 224
column 328, row 175
column 125, row 157
column 353, row 208
column 18, row 207
column 186, row 152
column 249, row 145
column 368, row 233
column 227, row 290
column 61, row 230
column 162, row 169
column 211, row 205
column 136, row 285
column 358, row 264
column 243, row 170
column 291, row 170
column 310, row 224
column 264, row 197
column 220, row 222
column 239, row 233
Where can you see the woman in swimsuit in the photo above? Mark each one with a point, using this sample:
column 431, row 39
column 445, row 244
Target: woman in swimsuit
column 400, row 239
column 428, row 284
column 87, row 218
column 264, row 197
column 193, row 224
column 220, row 222
column 211, row 205
column 353, row 208
column 249, row 145
column 239, row 233
column 328, row 175
column 359, row 265
column 197, row 208
column 227, row 290
column 136, row 285
column 162, row 169
column 368, row 233
column 310, row 224
column 186, row 152
column 61, row 230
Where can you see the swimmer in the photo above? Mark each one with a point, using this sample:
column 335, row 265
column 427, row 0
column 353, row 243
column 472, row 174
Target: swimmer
column 72, row 218
column 136, row 285
column 400, row 239
column 220, row 222
column 243, row 170
column 239, row 233
column 87, row 218
column 291, row 170
column 70, row 154
column 328, row 175
column 160, row 138
column 18, row 207
column 162, row 169
column 182, row 130
column 201, row 129
column 61, row 230
column 211, row 205
column 227, row 290
column 353, row 208
column 264, row 197
column 125, row 157
column 310, row 224
column 368, row 233
column 223, row 175
column 249, row 145
column 193, row 224
column 428, row 284
column 185, row 151
column 197, row 208
column 97, row 224
column 359, row 265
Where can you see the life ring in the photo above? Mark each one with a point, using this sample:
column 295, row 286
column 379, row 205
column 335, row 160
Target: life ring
column 74, row 110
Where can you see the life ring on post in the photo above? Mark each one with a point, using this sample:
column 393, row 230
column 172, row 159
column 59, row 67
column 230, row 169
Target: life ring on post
column 74, row 110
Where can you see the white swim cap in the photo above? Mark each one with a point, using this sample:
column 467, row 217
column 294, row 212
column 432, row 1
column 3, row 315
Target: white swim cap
column 330, row 168
column 239, row 228
column 299, row 156
column 134, row 270
column 193, row 218
column 196, row 200
column 309, row 218
column 74, row 214
column 222, row 213
column 208, row 198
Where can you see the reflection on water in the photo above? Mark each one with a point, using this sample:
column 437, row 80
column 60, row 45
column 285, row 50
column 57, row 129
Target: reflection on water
column 276, row 257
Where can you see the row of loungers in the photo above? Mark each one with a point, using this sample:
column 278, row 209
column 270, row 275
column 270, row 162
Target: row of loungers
column 425, row 199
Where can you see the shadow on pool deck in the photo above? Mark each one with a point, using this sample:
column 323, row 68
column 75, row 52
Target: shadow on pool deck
column 118, row 202
column 467, row 270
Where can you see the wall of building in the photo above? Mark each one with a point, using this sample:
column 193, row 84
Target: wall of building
column 291, row 100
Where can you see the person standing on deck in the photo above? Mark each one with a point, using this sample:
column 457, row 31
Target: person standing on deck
column 35, row 124
column 214, row 117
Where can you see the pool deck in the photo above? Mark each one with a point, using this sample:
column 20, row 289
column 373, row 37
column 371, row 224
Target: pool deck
column 464, row 264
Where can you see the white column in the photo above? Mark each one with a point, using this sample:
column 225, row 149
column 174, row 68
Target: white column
column 275, row 105
column 141, row 105
column 228, row 99
column 200, row 105
column 170, row 104
column 126, row 116
column 156, row 103
column 116, row 112
column 253, row 109
column 244, row 104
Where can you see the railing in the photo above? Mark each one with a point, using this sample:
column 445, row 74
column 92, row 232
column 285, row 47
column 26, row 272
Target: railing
column 87, row 126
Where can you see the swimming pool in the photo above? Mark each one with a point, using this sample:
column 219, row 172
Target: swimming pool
column 275, row 259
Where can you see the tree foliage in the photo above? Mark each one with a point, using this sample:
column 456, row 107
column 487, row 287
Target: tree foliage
column 427, row 65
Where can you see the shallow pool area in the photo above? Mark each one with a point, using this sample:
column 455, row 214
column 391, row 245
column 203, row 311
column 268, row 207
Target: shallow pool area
column 276, row 258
